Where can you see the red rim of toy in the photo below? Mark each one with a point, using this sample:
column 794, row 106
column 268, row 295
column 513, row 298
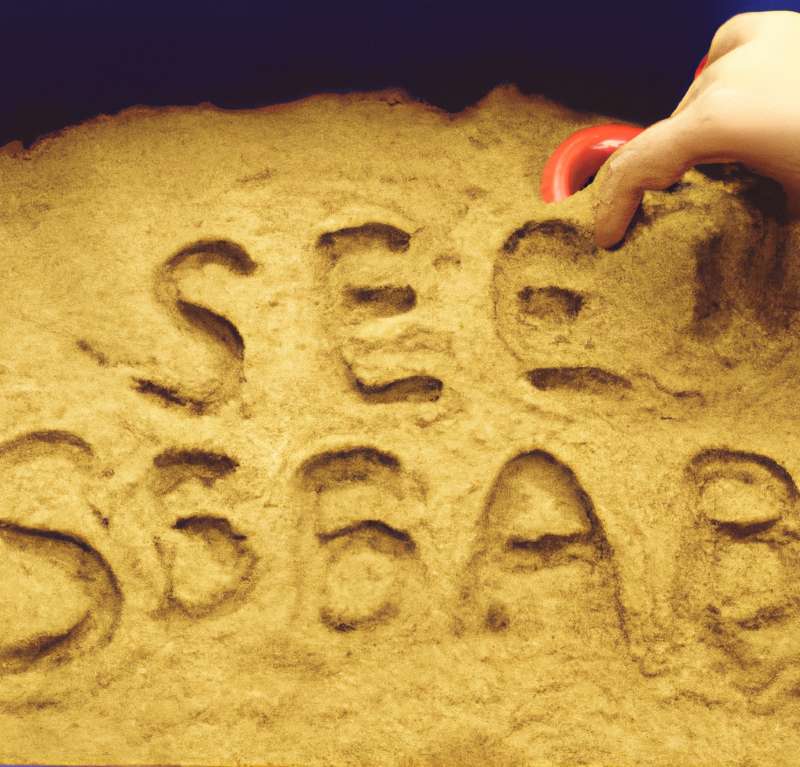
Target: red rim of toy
column 580, row 156
column 701, row 66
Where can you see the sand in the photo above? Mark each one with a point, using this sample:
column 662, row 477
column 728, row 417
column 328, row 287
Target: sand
column 323, row 440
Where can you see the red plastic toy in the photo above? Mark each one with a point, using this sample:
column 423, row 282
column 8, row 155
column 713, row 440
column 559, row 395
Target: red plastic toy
column 579, row 157
column 701, row 66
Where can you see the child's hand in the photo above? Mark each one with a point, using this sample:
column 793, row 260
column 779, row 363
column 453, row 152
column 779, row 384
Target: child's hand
column 744, row 107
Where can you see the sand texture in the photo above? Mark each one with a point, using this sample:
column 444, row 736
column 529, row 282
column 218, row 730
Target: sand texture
column 323, row 440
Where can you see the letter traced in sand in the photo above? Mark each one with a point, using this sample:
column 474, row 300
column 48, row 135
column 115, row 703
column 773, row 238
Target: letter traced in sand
column 369, row 278
column 210, row 567
column 60, row 596
column 216, row 332
column 546, row 310
column 542, row 565
column 743, row 561
column 362, row 562
column 647, row 316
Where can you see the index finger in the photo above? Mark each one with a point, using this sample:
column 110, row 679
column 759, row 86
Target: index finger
column 655, row 159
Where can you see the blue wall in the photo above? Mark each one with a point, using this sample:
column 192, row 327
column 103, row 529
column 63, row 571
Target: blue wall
column 64, row 61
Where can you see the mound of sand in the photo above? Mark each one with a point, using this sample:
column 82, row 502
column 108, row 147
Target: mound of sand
column 324, row 441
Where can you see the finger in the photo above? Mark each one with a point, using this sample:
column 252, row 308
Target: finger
column 695, row 89
column 722, row 71
column 736, row 31
column 707, row 79
column 655, row 159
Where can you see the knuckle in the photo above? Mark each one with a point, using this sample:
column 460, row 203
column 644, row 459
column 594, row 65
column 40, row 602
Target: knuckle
column 743, row 21
column 735, row 30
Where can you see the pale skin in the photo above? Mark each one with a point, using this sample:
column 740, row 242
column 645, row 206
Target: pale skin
column 744, row 107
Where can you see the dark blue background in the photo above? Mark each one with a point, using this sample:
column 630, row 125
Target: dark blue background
column 65, row 60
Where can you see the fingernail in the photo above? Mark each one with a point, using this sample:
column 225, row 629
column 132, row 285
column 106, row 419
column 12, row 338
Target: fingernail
column 600, row 239
column 603, row 238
